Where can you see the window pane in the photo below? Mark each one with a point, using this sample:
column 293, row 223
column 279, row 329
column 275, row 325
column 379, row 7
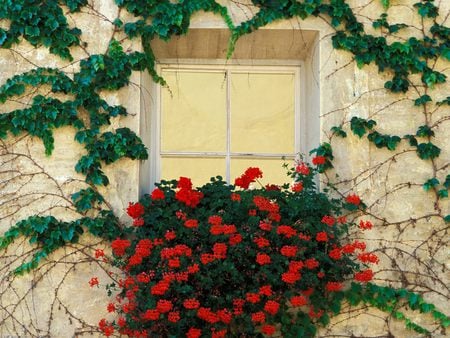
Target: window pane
column 262, row 113
column 198, row 169
column 193, row 111
column 273, row 172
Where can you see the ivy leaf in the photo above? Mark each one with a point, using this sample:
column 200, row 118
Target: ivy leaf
column 429, row 184
column 428, row 151
column 443, row 193
column 444, row 101
column 447, row 219
column 338, row 131
column 359, row 125
column 422, row 100
column 424, row 131
column 447, row 182
column 385, row 4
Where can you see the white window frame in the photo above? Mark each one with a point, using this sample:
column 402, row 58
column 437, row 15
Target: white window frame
column 295, row 68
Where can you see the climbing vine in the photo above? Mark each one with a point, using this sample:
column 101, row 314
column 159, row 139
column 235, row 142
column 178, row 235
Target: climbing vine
column 60, row 99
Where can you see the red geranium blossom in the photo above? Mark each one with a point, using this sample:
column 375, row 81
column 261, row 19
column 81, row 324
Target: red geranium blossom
column 353, row 199
column 364, row 276
column 135, row 210
column 318, row 160
column 262, row 259
column 157, row 194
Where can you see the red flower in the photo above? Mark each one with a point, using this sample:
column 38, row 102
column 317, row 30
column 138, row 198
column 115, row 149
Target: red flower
column 164, row 306
column 353, row 199
column 342, row 220
column 295, row 266
column 93, row 281
column 119, row 246
column 311, row 263
column 220, row 250
column 249, row 176
column 157, row 194
column 207, row 315
column 225, row 316
column 170, row 235
column 194, row 268
column 191, row 223
column 174, row 263
column 111, row 307
column 320, row 274
column 184, row 183
column 335, row 254
column 268, row 329
column 290, row 277
column 328, row 220
column 272, row 187
column 318, row 160
column 258, row 317
column 266, row 290
column 322, row 237
column 99, row 253
column 252, row 297
column 272, row 307
column 215, row 220
column 189, row 197
column 138, row 222
column 302, row 168
column 289, row 250
column 173, row 316
column 229, row 229
column 206, row 258
column 265, row 226
column 235, row 239
column 261, row 242
column 159, row 288
column 194, row 333
column 262, row 258
column 235, row 197
column 297, row 187
column 151, row 315
column 333, row 286
column 121, row 322
column 218, row 334
column 286, row 230
column 135, row 210
column 364, row 276
column 368, row 258
column 365, row 225
column 252, row 212
column 191, row 304
column 298, row 301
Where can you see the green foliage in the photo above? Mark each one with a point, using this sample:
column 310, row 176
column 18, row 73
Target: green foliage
column 432, row 182
column 85, row 199
column 359, row 126
column 428, row 151
column 384, row 141
column 326, row 151
column 41, row 23
column 422, row 100
column 50, row 234
column 382, row 22
column 338, row 131
column 424, row 131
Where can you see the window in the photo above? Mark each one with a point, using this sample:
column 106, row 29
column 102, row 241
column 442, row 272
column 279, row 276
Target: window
column 221, row 120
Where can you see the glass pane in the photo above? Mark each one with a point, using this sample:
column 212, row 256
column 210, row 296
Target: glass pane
column 198, row 169
column 273, row 172
column 193, row 111
column 262, row 113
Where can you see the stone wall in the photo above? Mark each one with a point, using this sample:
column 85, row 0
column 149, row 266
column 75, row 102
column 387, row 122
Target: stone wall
column 55, row 300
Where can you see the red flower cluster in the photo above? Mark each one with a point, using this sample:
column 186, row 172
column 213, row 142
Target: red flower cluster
column 353, row 199
column 135, row 210
column 364, row 276
column 318, row 160
column 277, row 251
column 186, row 195
column 157, row 194
column 249, row 176
column 365, row 225
column 303, row 169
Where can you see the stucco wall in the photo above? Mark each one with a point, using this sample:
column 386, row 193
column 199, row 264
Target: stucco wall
column 55, row 300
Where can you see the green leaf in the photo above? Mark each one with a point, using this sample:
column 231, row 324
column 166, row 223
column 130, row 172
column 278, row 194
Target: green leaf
column 385, row 4
column 338, row 131
column 424, row 131
column 428, row 151
column 443, row 193
column 432, row 182
column 422, row 100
